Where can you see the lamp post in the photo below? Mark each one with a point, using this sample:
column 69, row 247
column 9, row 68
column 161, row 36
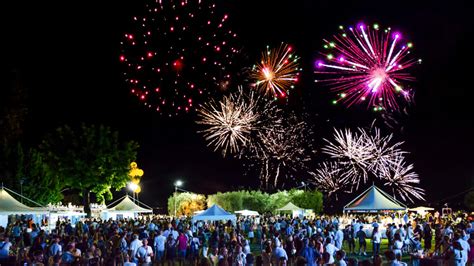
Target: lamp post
column 177, row 184
column 22, row 180
column 132, row 186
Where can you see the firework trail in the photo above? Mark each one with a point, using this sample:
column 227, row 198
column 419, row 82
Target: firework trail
column 282, row 150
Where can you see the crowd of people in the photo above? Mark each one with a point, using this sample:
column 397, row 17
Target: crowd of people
column 267, row 240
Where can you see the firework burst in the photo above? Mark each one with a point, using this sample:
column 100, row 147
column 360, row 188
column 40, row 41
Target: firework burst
column 230, row 121
column 277, row 71
column 403, row 181
column 367, row 64
column 329, row 178
column 353, row 152
column 362, row 152
column 177, row 54
column 282, row 149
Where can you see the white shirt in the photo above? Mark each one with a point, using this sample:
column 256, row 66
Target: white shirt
column 160, row 242
column 377, row 237
column 339, row 237
column 145, row 253
column 465, row 249
column 331, row 249
column 134, row 247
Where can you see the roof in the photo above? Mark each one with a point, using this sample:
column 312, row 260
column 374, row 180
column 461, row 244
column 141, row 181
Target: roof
column 290, row 207
column 372, row 200
column 9, row 205
column 247, row 213
column 127, row 205
column 214, row 213
column 421, row 209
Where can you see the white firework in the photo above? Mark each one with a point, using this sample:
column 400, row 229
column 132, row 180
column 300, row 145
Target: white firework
column 362, row 152
column 401, row 178
column 352, row 150
column 230, row 121
column 382, row 150
column 281, row 148
column 329, row 178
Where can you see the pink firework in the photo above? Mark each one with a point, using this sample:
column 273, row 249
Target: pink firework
column 367, row 65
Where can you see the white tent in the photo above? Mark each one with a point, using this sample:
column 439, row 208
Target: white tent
column 125, row 209
column 11, row 206
column 295, row 210
column 247, row 213
column 421, row 210
column 214, row 213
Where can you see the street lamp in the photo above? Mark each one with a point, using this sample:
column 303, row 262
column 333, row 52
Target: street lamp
column 304, row 185
column 177, row 184
column 22, row 180
column 133, row 187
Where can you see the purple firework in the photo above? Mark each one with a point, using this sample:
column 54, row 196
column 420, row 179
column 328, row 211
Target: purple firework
column 367, row 65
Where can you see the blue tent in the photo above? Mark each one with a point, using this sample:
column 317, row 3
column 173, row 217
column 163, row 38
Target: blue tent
column 374, row 200
column 214, row 213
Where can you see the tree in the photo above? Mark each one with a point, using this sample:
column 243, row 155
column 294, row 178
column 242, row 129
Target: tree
column 13, row 113
column 257, row 201
column 89, row 159
column 308, row 200
column 39, row 182
column 469, row 200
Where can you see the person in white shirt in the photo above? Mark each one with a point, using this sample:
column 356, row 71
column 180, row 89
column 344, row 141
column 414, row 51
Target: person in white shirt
column 145, row 253
column 376, row 239
column 465, row 247
column 159, row 244
column 247, row 247
column 397, row 244
column 331, row 249
column 134, row 245
column 338, row 238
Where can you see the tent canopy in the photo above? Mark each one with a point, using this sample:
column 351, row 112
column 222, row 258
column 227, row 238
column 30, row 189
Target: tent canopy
column 290, row 207
column 247, row 213
column 9, row 205
column 127, row 205
column 421, row 209
column 373, row 200
column 214, row 213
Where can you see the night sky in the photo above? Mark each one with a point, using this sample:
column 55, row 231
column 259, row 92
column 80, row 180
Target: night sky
column 67, row 56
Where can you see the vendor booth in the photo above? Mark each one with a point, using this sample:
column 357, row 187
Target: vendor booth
column 11, row 209
column 125, row 209
column 214, row 213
